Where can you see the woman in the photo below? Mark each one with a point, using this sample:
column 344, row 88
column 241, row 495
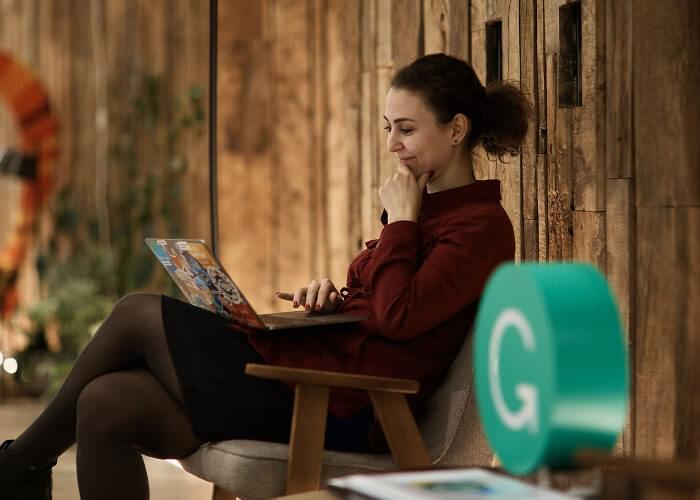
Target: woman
column 161, row 377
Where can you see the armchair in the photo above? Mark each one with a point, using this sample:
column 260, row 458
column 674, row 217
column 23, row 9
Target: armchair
column 449, row 434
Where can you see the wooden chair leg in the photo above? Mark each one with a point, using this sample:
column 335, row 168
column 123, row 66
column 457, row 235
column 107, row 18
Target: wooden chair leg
column 307, row 438
column 400, row 429
column 221, row 494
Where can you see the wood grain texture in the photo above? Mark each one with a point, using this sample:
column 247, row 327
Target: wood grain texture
column 292, row 138
column 619, row 158
column 666, row 77
column 589, row 238
column 620, row 229
column 333, row 379
column 246, row 107
column 588, row 120
column 529, row 156
column 406, row 42
column 306, row 439
column 342, row 151
column 667, row 361
column 400, row 429
column 446, row 27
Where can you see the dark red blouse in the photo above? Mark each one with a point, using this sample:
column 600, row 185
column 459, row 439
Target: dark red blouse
column 419, row 283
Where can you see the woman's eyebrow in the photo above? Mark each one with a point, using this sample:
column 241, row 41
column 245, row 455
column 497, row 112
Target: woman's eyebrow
column 399, row 120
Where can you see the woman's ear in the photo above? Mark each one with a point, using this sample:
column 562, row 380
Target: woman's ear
column 461, row 126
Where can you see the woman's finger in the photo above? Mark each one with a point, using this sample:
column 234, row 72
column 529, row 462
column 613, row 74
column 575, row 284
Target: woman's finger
column 285, row 295
column 311, row 293
column 299, row 297
column 324, row 292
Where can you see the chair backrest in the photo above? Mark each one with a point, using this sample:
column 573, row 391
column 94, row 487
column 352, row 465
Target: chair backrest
column 451, row 426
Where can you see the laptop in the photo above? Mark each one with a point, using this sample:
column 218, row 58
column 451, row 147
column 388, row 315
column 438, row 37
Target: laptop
column 206, row 284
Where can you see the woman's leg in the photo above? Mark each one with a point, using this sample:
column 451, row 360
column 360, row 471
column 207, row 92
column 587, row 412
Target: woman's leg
column 120, row 416
column 131, row 337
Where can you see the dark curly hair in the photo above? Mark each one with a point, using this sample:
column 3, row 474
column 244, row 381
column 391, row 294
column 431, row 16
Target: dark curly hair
column 499, row 113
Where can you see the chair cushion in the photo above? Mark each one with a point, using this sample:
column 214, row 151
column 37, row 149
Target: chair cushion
column 257, row 469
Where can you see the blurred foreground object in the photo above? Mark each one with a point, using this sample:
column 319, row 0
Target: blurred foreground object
column 551, row 364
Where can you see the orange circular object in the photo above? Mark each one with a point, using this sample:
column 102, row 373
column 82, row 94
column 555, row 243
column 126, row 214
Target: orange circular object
column 25, row 97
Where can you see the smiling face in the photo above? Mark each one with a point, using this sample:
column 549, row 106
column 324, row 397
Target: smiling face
column 414, row 135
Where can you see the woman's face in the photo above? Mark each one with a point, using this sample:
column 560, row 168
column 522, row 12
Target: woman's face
column 414, row 135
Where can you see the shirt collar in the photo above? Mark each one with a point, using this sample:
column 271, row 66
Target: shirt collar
column 449, row 199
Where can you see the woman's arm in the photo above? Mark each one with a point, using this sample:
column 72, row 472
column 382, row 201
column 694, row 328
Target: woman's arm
column 409, row 299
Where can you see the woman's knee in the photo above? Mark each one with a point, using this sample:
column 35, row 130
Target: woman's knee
column 137, row 314
column 103, row 408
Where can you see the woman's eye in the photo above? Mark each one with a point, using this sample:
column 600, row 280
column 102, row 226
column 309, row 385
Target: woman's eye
column 387, row 128
column 406, row 130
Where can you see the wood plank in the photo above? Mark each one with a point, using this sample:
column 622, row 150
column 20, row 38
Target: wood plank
column 188, row 36
column 333, row 379
column 666, row 77
column 400, row 429
column 588, row 120
column 317, row 21
column 292, row 143
column 307, row 437
column 559, row 147
column 618, row 131
column 667, row 319
column 529, row 152
column 589, row 243
column 509, row 171
column 542, row 110
column 458, row 29
column 369, row 122
column 343, row 136
column 478, row 18
column 435, row 25
column 406, row 43
column 620, row 268
column 246, row 172
column 688, row 295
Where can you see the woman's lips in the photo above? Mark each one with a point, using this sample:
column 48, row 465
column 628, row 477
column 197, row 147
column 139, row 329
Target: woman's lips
column 406, row 160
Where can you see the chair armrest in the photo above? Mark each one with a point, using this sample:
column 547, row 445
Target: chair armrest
column 333, row 379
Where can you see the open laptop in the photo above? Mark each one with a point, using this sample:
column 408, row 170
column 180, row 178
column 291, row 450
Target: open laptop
column 206, row 284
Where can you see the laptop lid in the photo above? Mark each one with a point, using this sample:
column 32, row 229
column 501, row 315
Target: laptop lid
column 202, row 279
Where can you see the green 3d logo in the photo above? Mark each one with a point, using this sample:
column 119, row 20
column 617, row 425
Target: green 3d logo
column 551, row 364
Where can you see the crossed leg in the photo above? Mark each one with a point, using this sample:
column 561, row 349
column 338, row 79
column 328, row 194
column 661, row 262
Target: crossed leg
column 129, row 349
column 120, row 416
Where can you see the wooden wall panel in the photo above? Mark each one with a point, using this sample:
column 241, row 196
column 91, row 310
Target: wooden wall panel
column 666, row 77
column 588, row 120
column 508, row 171
column 292, row 141
column 369, row 121
column 559, row 147
column 342, row 158
column 446, row 27
column 667, row 360
column 530, row 157
column 248, row 210
column 618, row 49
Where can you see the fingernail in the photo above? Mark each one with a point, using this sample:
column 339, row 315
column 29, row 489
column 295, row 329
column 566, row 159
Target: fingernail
column 318, row 307
column 296, row 304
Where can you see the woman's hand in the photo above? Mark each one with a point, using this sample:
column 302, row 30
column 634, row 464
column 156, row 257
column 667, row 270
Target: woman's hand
column 320, row 296
column 402, row 194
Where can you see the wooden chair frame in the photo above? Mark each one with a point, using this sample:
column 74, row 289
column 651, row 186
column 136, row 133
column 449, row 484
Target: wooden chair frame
column 312, row 388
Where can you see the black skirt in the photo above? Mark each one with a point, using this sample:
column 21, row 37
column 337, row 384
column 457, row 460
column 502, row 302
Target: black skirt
column 225, row 403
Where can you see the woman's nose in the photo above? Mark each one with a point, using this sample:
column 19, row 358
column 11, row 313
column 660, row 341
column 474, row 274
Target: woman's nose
column 392, row 144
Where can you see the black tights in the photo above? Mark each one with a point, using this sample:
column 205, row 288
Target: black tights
column 121, row 399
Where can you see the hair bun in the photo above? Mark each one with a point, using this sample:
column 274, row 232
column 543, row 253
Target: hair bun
column 506, row 116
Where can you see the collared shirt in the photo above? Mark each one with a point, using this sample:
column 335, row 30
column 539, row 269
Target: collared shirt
column 420, row 284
